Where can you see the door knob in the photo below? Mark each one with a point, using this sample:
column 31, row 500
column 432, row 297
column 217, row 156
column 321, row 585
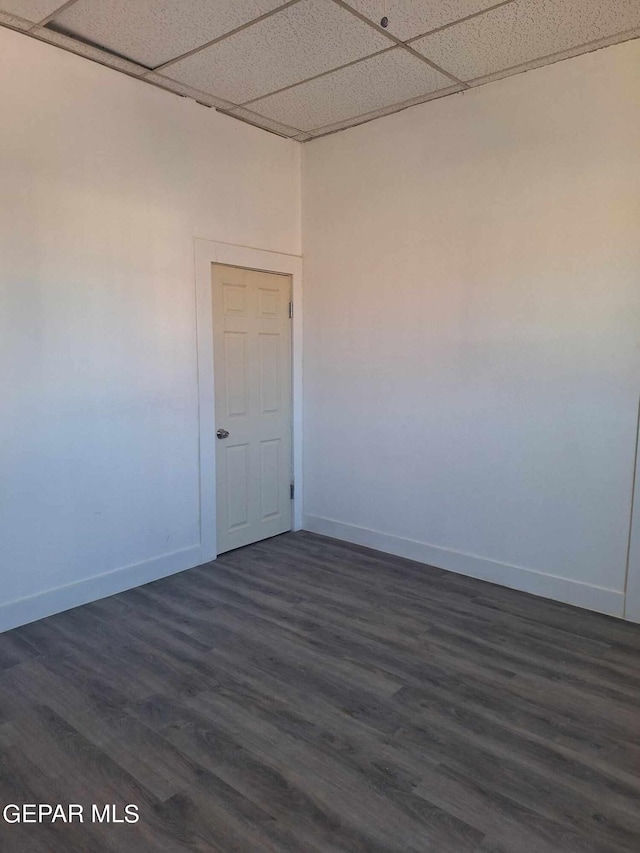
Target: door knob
column 223, row 433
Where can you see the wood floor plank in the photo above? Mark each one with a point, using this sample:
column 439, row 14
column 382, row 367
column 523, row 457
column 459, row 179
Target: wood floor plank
column 305, row 695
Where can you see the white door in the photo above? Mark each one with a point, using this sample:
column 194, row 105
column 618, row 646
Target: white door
column 252, row 365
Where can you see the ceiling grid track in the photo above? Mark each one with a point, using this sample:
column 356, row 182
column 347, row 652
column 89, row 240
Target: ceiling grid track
column 224, row 36
column 398, row 42
column 55, row 12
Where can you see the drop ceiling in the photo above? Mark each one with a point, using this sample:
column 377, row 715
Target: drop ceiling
column 305, row 68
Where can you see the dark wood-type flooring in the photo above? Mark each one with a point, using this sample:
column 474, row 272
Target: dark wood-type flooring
column 307, row 695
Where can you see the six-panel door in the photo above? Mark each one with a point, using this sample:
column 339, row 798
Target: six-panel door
column 252, row 362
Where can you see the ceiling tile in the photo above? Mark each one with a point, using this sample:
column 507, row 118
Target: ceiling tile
column 556, row 57
column 408, row 19
column 32, row 10
column 299, row 42
column 154, row 31
column 385, row 111
column 523, row 31
column 263, row 121
column 368, row 85
column 87, row 50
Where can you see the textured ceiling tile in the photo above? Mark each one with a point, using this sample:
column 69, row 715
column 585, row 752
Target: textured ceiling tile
column 368, row 85
column 299, row 42
column 87, row 51
column 408, row 19
column 263, row 121
column 524, row 31
column 556, row 57
column 385, row 111
column 154, row 31
column 32, row 10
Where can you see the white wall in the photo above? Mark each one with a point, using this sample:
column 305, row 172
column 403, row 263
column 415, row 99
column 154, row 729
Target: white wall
column 471, row 320
column 104, row 183
column 472, row 329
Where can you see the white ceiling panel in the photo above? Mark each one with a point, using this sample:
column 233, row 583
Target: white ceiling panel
column 368, row 85
column 523, row 31
column 408, row 18
column 32, row 10
column 154, row 31
column 384, row 111
column 301, row 41
column 557, row 57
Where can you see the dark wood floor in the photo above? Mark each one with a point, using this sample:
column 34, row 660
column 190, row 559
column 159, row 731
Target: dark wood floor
column 307, row 695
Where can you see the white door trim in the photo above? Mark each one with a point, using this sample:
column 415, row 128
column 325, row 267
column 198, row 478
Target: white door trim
column 632, row 589
column 208, row 252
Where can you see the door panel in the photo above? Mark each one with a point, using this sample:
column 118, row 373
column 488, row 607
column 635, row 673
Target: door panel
column 252, row 354
column 269, row 356
column 236, row 464
column 269, row 482
column 235, row 361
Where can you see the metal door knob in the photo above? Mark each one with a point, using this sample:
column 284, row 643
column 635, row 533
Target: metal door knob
column 223, row 433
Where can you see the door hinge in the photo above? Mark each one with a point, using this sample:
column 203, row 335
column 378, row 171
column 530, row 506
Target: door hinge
column 292, row 490
column 290, row 310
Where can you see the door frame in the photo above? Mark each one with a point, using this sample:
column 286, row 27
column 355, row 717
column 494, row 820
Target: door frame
column 208, row 252
column 632, row 580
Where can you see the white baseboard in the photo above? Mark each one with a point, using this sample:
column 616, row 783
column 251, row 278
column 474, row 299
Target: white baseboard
column 515, row 577
column 25, row 610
